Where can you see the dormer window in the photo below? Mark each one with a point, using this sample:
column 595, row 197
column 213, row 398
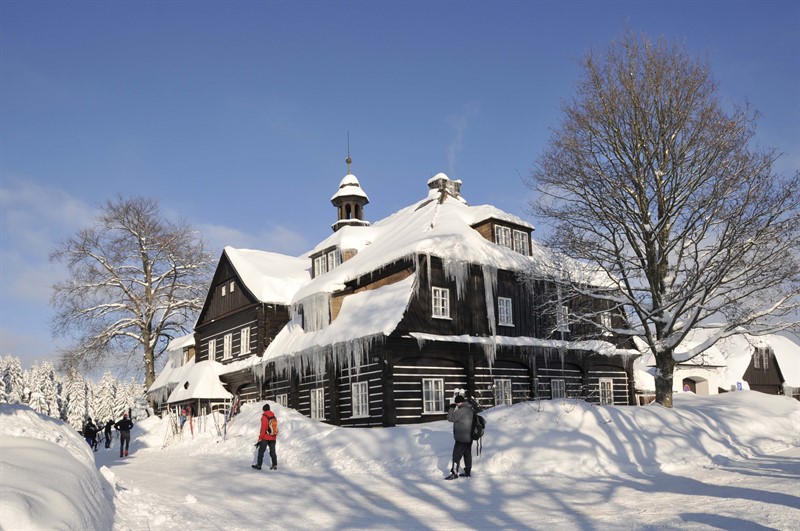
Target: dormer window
column 502, row 236
column 326, row 262
column 522, row 242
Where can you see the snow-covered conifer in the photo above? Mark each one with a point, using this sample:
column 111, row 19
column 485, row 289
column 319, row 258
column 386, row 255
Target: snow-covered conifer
column 75, row 397
column 105, row 393
column 12, row 386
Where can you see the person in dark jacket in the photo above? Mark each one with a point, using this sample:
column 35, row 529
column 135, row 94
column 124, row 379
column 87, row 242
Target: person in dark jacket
column 460, row 414
column 266, row 437
column 90, row 433
column 124, row 427
column 107, row 431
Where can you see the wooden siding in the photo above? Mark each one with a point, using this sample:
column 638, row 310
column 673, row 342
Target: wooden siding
column 571, row 374
column 408, row 376
column 517, row 372
column 217, row 305
column 620, row 390
column 769, row 380
column 371, row 374
column 306, row 384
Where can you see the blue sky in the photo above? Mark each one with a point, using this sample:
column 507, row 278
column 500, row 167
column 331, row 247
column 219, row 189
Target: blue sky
column 235, row 115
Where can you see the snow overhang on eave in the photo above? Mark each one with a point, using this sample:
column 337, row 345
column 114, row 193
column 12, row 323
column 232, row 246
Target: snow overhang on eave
column 363, row 317
column 600, row 347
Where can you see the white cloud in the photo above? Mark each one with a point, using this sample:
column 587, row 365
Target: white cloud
column 33, row 220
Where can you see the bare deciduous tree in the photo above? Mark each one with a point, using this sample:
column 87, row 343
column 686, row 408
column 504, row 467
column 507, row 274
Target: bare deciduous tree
column 656, row 184
column 136, row 281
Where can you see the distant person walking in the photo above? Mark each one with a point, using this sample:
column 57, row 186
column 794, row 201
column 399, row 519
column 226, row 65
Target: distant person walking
column 267, row 436
column 460, row 414
column 90, row 433
column 107, row 431
column 124, row 427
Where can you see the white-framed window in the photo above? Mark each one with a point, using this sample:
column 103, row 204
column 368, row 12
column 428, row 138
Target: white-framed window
column 244, row 340
column 282, row 399
column 227, row 346
column 212, row 349
column 558, row 389
column 432, row 395
column 333, row 259
column 502, row 236
column 223, row 290
column 606, row 391
column 318, row 403
column 231, row 286
column 320, row 266
column 761, row 359
column 441, row 303
column 605, row 323
column 522, row 242
column 562, row 318
column 502, row 392
column 360, row 392
column 504, row 314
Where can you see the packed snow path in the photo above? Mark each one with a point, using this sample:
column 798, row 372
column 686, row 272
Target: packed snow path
column 156, row 490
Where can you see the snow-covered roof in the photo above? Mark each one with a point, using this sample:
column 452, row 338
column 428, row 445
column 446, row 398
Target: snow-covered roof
column 787, row 353
column 179, row 343
column 347, row 237
column 738, row 351
column 201, row 381
column 350, row 187
column 173, row 371
column 270, row 277
column 440, row 225
column 365, row 314
column 481, row 213
column 710, row 357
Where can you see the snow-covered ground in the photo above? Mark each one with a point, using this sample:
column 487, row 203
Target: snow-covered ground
column 728, row 461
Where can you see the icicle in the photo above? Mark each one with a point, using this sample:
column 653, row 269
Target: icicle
column 490, row 288
column 420, row 343
column 457, row 271
column 428, row 265
column 417, row 283
column 316, row 311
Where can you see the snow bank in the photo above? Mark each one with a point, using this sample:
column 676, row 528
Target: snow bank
column 566, row 437
column 48, row 477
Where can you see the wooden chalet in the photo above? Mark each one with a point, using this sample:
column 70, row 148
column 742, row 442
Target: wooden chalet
column 381, row 323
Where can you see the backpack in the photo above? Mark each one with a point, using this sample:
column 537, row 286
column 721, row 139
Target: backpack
column 478, row 427
column 272, row 427
column 476, row 433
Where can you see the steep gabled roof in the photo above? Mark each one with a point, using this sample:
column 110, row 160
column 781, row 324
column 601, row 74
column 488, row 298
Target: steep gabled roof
column 270, row 277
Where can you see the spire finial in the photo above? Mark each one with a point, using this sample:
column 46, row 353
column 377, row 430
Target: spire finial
column 348, row 160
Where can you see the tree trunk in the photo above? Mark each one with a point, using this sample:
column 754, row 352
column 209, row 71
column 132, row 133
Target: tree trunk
column 149, row 366
column 664, row 375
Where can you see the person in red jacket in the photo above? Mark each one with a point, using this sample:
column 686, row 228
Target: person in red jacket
column 267, row 437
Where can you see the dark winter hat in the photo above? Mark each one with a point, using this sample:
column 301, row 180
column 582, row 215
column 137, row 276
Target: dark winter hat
column 265, row 408
column 459, row 399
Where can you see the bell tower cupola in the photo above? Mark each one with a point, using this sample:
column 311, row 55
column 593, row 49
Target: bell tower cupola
column 349, row 200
